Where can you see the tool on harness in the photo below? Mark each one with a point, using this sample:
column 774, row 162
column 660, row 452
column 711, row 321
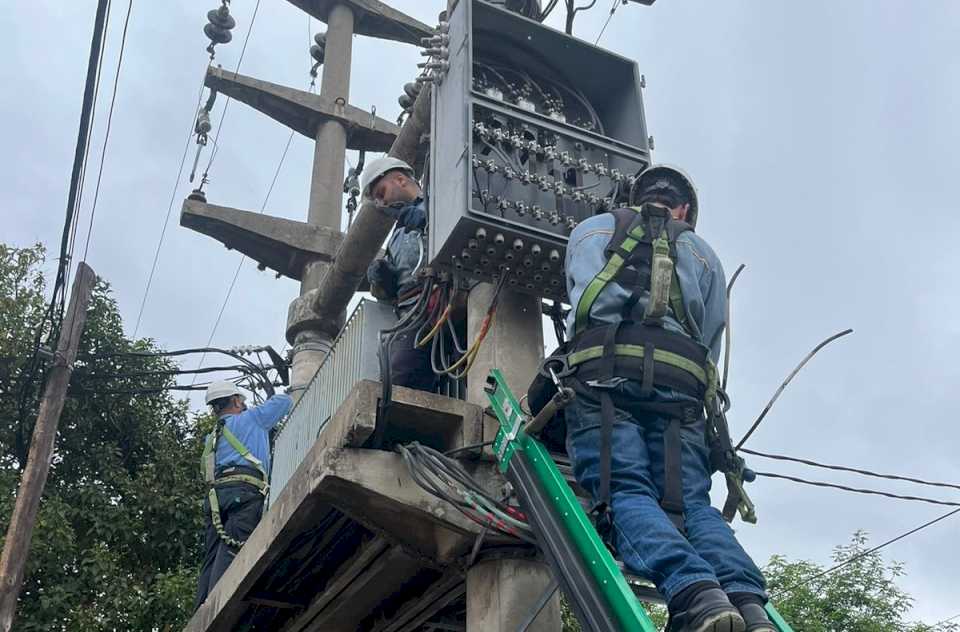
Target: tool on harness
column 210, row 475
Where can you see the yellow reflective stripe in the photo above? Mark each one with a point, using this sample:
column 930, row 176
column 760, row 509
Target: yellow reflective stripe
column 241, row 478
column 636, row 351
column 243, row 450
column 604, row 277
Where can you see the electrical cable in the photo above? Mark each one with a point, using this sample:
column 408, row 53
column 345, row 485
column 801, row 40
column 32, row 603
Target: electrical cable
column 54, row 312
column 106, row 135
column 166, row 219
column 790, row 377
column 243, row 258
column 858, row 490
column 726, row 330
column 842, row 468
column 863, row 554
column 613, row 9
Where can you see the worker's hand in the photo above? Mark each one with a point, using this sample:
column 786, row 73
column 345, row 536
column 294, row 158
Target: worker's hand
column 383, row 280
column 414, row 217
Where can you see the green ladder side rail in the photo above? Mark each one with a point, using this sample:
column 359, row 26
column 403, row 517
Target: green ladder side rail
column 583, row 566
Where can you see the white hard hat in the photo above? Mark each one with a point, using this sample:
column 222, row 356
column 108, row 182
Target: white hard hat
column 219, row 390
column 376, row 169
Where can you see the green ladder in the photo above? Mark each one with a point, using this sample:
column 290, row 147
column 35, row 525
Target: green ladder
column 582, row 565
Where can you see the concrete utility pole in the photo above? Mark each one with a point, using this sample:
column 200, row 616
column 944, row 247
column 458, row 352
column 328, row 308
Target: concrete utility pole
column 311, row 344
column 501, row 592
column 17, row 544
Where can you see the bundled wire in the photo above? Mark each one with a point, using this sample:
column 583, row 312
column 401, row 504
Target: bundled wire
column 470, row 355
column 445, row 478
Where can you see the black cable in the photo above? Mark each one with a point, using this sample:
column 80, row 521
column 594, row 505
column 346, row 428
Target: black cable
column 613, row 9
column 863, row 554
column 473, row 446
column 842, row 468
column 173, row 194
column 784, row 384
column 858, row 490
column 243, row 258
column 106, row 134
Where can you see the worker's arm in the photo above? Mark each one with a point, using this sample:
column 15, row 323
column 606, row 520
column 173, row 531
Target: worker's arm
column 703, row 285
column 269, row 413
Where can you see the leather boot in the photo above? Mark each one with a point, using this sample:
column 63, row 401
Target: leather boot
column 709, row 611
column 756, row 618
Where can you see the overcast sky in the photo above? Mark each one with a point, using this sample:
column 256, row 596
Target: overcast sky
column 822, row 136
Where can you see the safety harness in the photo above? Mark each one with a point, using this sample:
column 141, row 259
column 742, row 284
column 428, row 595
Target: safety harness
column 641, row 258
column 209, row 459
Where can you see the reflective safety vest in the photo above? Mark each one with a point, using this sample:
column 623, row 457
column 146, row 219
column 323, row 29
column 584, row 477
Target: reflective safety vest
column 209, row 465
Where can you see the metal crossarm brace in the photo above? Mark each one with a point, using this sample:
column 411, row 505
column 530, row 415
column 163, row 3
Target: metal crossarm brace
column 601, row 598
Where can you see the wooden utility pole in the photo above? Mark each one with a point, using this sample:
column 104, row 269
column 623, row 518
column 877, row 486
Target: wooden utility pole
column 17, row 544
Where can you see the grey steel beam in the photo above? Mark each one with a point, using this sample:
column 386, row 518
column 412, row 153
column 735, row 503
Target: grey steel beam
column 373, row 18
column 304, row 112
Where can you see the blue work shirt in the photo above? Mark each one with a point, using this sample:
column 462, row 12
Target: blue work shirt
column 406, row 250
column 252, row 428
column 698, row 269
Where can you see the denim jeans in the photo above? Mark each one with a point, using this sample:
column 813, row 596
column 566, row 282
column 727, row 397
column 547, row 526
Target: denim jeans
column 647, row 541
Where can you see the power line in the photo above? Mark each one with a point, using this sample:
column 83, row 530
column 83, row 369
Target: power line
column 858, row 490
column 863, row 554
column 842, row 468
column 183, row 160
column 236, row 273
column 173, row 195
column 106, row 135
column 613, row 9
column 787, row 381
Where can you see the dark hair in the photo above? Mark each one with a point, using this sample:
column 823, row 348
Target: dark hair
column 219, row 404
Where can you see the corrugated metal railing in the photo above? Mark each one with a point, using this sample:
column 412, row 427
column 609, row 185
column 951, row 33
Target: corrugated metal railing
column 353, row 358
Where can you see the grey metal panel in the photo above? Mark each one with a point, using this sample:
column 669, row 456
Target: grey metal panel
column 498, row 205
column 450, row 126
column 352, row 358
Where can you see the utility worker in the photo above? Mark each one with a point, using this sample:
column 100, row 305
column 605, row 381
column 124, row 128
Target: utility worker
column 390, row 184
column 649, row 307
column 236, row 462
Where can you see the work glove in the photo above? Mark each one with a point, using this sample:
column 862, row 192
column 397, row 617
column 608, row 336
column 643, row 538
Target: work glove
column 382, row 276
column 410, row 215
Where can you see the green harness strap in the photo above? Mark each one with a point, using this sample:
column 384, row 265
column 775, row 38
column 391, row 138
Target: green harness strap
column 603, row 278
column 615, row 263
column 637, row 351
column 209, row 474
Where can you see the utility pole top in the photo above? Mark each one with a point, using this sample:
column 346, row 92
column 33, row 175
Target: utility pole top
column 372, row 18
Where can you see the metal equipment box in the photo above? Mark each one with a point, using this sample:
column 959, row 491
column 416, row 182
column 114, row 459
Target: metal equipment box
column 532, row 131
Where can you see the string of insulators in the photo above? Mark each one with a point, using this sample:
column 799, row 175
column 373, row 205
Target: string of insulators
column 218, row 27
column 318, row 52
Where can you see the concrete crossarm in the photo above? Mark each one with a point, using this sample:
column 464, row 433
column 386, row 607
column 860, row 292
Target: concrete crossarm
column 283, row 245
column 372, row 18
column 370, row 227
column 304, row 111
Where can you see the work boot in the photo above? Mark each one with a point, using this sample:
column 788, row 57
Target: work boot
column 756, row 618
column 709, row 611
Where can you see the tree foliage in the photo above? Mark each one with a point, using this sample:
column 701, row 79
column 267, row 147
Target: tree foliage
column 117, row 540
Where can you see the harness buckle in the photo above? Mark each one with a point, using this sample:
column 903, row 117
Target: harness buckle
column 606, row 384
